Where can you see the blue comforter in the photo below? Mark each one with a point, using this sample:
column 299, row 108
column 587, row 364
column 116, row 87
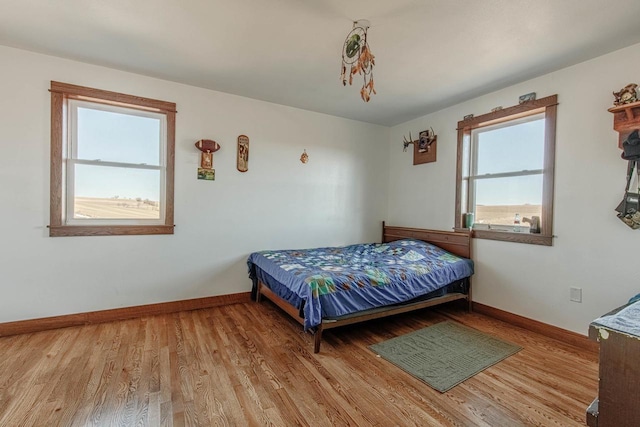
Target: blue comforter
column 331, row 282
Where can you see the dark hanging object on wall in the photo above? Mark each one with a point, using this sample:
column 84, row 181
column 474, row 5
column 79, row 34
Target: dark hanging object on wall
column 629, row 209
column 631, row 146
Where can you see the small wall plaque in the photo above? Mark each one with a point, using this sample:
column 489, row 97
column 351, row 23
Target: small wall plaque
column 208, row 147
column 207, row 174
column 427, row 155
column 243, row 153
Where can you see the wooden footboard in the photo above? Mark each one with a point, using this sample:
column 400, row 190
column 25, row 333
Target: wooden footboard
column 458, row 243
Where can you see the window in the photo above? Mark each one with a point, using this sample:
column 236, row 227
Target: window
column 505, row 172
column 112, row 160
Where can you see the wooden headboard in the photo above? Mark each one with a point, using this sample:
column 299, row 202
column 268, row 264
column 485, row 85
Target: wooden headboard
column 456, row 242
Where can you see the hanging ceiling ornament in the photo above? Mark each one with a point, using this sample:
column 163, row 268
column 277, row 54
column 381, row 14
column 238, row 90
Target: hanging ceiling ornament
column 357, row 55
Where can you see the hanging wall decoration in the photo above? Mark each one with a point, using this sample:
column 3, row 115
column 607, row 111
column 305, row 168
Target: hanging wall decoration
column 304, row 158
column 626, row 112
column 242, row 162
column 208, row 147
column 357, row 57
column 425, row 148
column 527, row 97
column 626, row 95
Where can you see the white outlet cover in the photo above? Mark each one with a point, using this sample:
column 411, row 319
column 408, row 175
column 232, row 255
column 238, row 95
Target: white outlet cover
column 575, row 294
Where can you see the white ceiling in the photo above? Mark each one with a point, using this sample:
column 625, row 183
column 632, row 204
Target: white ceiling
column 430, row 54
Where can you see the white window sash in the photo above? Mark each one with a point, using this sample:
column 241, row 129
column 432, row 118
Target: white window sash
column 72, row 160
column 506, row 174
column 472, row 171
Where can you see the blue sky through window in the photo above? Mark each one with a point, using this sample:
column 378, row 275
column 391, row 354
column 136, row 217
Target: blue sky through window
column 511, row 149
column 115, row 137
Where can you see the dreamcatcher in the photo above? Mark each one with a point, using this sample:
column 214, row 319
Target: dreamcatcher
column 357, row 55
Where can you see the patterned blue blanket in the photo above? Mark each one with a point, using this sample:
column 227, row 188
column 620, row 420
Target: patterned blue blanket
column 331, row 282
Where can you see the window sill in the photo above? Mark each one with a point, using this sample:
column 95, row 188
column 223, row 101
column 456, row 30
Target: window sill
column 509, row 236
column 108, row 230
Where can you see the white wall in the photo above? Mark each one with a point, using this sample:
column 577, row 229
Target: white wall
column 339, row 197
column 593, row 249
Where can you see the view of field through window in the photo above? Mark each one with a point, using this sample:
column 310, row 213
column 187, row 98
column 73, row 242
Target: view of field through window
column 508, row 172
column 505, row 214
column 116, row 208
column 117, row 175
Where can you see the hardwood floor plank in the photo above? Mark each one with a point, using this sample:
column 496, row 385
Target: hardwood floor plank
column 38, row 367
column 216, row 398
column 232, row 400
column 154, row 417
column 166, row 414
column 248, row 364
column 104, row 405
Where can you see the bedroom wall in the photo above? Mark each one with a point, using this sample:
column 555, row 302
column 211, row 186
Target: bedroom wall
column 593, row 249
column 339, row 197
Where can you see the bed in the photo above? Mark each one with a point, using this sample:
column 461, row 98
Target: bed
column 324, row 288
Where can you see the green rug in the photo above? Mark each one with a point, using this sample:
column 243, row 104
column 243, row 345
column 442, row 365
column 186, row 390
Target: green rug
column 445, row 354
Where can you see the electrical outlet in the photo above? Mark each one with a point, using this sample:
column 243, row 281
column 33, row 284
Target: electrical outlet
column 575, row 294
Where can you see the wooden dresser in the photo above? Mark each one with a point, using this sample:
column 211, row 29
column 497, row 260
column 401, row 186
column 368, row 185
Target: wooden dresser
column 618, row 401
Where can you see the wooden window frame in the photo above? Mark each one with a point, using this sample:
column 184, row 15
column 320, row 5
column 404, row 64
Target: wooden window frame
column 61, row 93
column 548, row 106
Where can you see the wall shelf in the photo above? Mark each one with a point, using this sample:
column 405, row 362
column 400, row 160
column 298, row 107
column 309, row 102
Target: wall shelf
column 626, row 119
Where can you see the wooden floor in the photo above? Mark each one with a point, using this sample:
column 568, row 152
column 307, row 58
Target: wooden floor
column 248, row 364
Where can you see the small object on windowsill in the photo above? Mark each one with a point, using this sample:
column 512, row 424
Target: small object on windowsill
column 469, row 218
column 516, row 223
column 534, row 224
column 480, row 226
column 520, row 229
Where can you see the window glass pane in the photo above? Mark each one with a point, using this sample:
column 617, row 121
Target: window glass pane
column 116, row 137
column 511, row 148
column 464, row 194
column 466, row 153
column 116, row 193
column 499, row 199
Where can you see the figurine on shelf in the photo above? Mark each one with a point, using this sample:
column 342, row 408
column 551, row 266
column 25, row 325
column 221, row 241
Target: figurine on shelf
column 626, row 95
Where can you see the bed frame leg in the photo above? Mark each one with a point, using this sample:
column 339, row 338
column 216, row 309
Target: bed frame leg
column 469, row 300
column 258, row 294
column 317, row 339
